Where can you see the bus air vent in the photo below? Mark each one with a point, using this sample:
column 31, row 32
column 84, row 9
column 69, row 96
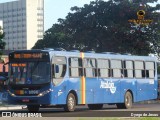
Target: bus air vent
column 111, row 53
column 90, row 51
column 75, row 51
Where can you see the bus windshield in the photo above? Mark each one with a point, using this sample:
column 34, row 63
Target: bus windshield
column 29, row 73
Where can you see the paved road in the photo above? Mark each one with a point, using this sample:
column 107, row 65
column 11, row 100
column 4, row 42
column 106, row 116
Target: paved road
column 138, row 110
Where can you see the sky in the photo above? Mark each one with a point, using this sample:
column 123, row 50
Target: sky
column 55, row 9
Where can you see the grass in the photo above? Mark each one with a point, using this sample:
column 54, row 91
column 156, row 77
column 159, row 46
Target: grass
column 121, row 118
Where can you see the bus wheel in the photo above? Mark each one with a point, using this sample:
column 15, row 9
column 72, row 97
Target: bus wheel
column 95, row 106
column 127, row 101
column 33, row 108
column 70, row 103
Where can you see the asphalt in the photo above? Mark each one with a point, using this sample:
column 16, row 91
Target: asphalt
column 14, row 107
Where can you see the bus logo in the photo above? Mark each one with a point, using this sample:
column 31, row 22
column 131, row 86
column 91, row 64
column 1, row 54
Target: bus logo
column 108, row 85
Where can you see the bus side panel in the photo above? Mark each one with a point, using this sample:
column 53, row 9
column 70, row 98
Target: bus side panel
column 128, row 84
column 61, row 93
column 73, row 84
column 94, row 93
column 90, row 85
column 102, row 90
column 146, row 89
column 111, row 90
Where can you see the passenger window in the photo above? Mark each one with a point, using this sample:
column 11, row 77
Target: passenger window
column 90, row 67
column 75, row 67
column 128, row 69
column 139, row 69
column 116, row 66
column 103, row 68
column 150, row 69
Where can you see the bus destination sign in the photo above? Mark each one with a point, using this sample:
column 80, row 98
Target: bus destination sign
column 28, row 55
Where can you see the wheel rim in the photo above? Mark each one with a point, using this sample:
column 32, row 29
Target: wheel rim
column 128, row 100
column 71, row 102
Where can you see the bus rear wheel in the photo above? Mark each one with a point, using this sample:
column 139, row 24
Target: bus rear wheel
column 70, row 103
column 33, row 108
column 95, row 106
column 128, row 100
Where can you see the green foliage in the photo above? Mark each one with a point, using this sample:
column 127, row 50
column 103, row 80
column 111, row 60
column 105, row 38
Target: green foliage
column 103, row 26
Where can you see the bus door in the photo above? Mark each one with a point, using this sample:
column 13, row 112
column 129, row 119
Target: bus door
column 58, row 74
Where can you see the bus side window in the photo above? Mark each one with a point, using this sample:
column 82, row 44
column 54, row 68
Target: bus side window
column 75, row 67
column 150, row 69
column 116, row 66
column 139, row 69
column 90, row 67
column 128, row 68
column 103, row 68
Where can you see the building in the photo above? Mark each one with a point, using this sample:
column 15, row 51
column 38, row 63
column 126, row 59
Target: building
column 23, row 23
column 1, row 26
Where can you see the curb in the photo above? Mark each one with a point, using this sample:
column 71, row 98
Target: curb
column 150, row 101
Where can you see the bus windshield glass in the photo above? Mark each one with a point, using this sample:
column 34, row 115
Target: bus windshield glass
column 29, row 73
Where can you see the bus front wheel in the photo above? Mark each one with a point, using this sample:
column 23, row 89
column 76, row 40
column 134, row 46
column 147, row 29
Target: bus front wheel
column 33, row 108
column 70, row 103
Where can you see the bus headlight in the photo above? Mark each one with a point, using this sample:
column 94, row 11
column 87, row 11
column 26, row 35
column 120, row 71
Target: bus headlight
column 12, row 94
column 44, row 92
column 40, row 94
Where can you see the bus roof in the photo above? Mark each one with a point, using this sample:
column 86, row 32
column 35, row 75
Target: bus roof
column 90, row 54
column 102, row 55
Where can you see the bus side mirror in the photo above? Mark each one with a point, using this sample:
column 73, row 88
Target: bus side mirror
column 2, row 80
column 57, row 69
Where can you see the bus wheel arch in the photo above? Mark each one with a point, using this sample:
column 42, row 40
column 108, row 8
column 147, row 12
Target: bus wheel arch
column 131, row 94
column 71, row 101
column 128, row 100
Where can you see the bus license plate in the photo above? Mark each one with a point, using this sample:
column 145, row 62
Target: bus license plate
column 31, row 92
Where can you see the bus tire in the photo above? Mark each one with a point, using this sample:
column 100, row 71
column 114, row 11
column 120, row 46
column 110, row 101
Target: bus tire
column 70, row 103
column 128, row 101
column 95, row 106
column 33, row 108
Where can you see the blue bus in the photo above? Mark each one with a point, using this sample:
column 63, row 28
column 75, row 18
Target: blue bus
column 69, row 78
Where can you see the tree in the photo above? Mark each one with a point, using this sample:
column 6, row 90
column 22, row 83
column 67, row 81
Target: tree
column 2, row 43
column 103, row 26
column 54, row 37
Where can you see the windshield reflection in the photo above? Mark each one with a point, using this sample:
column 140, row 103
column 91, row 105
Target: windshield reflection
column 29, row 73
